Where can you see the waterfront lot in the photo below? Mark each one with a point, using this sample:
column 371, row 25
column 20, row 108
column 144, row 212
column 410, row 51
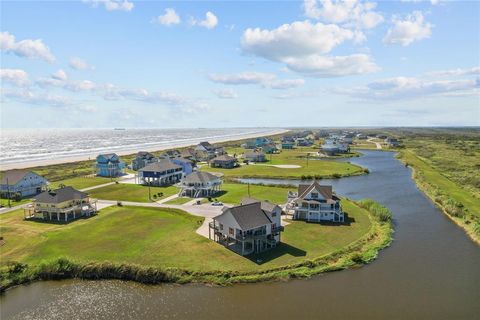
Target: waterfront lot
column 124, row 234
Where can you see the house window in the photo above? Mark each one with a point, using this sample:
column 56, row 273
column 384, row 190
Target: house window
column 230, row 231
column 314, row 195
column 274, row 213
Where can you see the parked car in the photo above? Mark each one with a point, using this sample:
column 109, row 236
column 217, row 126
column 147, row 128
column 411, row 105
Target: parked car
column 217, row 203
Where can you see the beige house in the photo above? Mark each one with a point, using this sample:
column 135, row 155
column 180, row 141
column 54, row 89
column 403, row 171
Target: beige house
column 62, row 204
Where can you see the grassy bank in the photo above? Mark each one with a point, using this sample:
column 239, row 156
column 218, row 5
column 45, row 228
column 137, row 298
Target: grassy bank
column 112, row 245
column 456, row 202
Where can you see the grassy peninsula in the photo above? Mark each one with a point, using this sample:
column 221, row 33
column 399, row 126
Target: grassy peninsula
column 112, row 244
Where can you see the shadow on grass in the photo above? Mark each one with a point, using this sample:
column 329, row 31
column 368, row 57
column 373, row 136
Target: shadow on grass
column 59, row 222
column 280, row 250
column 348, row 221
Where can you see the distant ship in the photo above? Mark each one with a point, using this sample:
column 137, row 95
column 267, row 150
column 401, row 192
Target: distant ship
column 119, row 129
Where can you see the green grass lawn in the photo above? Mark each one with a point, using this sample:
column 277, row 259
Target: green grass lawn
column 81, row 182
column 4, row 202
column 179, row 200
column 318, row 168
column 165, row 238
column 232, row 193
column 131, row 192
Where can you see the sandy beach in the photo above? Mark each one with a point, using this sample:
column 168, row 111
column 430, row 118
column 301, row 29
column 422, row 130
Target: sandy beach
column 128, row 151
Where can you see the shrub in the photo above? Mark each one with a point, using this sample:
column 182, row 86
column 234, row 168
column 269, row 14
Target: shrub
column 380, row 212
column 119, row 204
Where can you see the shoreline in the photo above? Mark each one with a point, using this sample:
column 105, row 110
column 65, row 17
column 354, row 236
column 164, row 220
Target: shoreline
column 358, row 253
column 130, row 151
column 424, row 186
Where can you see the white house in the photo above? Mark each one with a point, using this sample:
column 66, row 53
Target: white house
column 316, row 203
column 247, row 228
column 200, row 184
column 23, row 183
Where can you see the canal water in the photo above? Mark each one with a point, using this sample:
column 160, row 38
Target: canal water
column 431, row 271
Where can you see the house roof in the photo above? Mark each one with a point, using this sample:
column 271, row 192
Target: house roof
column 60, row 195
column 145, row 155
column 13, row 176
column 200, row 177
column 160, row 166
column 206, row 145
column 224, row 157
column 265, row 205
column 254, row 154
column 325, row 191
column 249, row 216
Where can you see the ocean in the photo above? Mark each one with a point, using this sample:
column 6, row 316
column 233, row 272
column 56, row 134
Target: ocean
column 37, row 146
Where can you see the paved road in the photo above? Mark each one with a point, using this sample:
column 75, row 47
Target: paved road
column 379, row 146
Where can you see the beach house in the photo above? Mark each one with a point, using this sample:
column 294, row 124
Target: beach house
column 160, row 173
column 314, row 202
column 109, row 165
column 62, row 204
column 21, row 183
column 224, row 162
column 255, row 156
column 246, row 229
column 392, row 142
column 333, row 147
column 200, row 184
column 142, row 159
column 204, row 151
column 186, row 164
column 270, row 148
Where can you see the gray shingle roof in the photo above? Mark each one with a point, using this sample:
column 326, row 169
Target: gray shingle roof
column 200, row 177
column 60, row 195
column 13, row 176
column 249, row 216
column 224, row 158
column 163, row 165
column 265, row 205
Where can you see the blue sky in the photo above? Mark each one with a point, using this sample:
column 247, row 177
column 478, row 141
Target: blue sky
column 106, row 63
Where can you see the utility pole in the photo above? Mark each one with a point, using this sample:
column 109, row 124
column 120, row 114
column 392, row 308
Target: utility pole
column 8, row 193
column 248, row 184
column 308, row 154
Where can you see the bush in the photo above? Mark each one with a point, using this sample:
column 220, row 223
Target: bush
column 119, row 204
column 380, row 212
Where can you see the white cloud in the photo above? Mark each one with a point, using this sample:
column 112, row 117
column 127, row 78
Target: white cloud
column 432, row 2
column 112, row 5
column 332, row 66
column 210, row 21
column 169, row 18
column 301, row 45
column 351, row 12
column 227, row 93
column 299, row 38
column 456, row 72
column 286, row 84
column 16, row 77
column 404, row 32
column 267, row 80
column 27, row 96
column 80, row 64
column 60, row 75
column 242, row 78
column 25, row 48
column 398, row 88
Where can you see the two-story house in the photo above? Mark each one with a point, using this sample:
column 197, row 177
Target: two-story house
column 109, row 165
column 186, row 164
column 255, row 156
column 142, row 159
column 204, row 151
column 246, row 229
column 21, row 183
column 224, row 161
column 62, row 204
column 316, row 203
column 200, row 184
column 160, row 173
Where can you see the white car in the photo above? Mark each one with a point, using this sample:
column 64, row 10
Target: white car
column 217, row 203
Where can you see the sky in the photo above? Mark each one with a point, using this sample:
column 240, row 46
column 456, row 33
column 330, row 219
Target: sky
column 190, row 64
